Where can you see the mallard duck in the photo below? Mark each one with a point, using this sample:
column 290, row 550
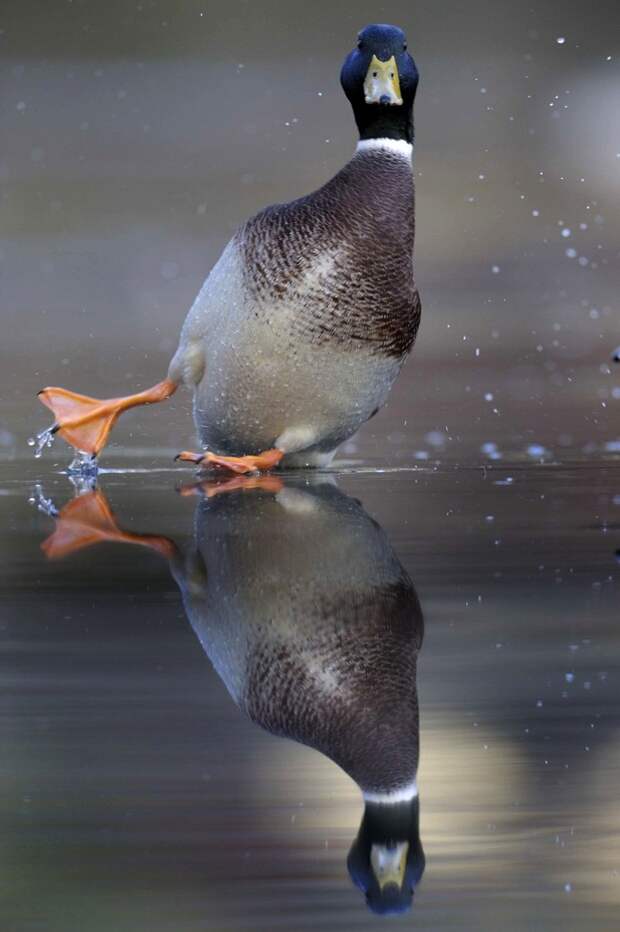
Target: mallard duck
column 303, row 324
column 313, row 624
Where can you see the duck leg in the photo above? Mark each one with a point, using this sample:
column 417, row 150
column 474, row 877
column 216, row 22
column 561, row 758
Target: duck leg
column 88, row 520
column 262, row 462
column 210, row 488
column 85, row 423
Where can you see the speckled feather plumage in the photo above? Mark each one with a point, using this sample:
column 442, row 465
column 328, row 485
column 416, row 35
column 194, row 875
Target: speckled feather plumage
column 362, row 710
column 301, row 329
column 313, row 624
column 362, row 221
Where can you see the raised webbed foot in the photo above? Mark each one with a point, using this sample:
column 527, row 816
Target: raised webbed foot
column 85, row 423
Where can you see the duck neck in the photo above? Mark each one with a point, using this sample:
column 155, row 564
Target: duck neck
column 391, row 822
column 386, row 145
column 384, row 122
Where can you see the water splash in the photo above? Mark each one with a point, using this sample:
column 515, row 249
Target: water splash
column 46, row 505
column 83, row 483
column 83, row 465
column 42, row 440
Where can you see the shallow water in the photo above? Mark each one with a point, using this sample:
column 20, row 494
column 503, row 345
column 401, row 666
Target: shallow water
column 137, row 795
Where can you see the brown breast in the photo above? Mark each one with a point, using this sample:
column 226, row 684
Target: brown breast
column 342, row 258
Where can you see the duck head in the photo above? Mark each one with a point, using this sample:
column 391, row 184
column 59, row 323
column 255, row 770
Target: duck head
column 386, row 860
column 380, row 79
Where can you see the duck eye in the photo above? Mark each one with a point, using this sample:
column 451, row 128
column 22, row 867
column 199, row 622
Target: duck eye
column 374, row 74
column 405, row 47
column 391, row 74
column 359, row 43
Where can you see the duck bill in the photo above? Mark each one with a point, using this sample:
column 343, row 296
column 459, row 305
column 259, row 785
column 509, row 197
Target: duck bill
column 388, row 863
column 381, row 85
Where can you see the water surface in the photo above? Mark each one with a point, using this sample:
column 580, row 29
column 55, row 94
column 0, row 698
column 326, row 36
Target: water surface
column 136, row 794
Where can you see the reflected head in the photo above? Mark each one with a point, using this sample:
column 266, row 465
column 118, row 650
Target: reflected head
column 386, row 860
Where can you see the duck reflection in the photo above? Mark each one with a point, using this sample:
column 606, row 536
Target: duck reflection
column 311, row 621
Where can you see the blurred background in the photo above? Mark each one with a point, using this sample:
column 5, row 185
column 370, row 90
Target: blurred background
column 138, row 135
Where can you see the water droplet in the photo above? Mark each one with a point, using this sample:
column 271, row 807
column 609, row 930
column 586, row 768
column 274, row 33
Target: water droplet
column 435, row 438
column 42, row 440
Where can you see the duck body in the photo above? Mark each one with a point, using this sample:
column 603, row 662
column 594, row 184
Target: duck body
column 304, row 323
column 313, row 625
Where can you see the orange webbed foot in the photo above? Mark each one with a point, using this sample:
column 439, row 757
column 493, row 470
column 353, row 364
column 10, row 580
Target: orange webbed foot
column 186, row 456
column 88, row 520
column 211, row 487
column 85, row 423
column 261, row 462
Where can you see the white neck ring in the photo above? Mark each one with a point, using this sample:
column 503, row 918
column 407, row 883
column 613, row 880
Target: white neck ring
column 397, row 146
column 402, row 795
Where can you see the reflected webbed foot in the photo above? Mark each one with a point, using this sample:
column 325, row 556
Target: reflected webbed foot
column 88, row 520
column 213, row 487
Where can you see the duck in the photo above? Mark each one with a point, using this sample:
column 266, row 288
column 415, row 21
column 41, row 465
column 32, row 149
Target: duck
column 302, row 326
column 314, row 626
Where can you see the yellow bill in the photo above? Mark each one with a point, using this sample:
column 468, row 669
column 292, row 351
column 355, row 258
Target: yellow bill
column 389, row 863
column 381, row 85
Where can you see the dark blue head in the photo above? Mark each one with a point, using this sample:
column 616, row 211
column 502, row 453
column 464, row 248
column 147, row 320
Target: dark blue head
column 386, row 860
column 380, row 79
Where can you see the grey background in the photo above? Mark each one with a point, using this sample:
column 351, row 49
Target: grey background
column 132, row 142
column 137, row 136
